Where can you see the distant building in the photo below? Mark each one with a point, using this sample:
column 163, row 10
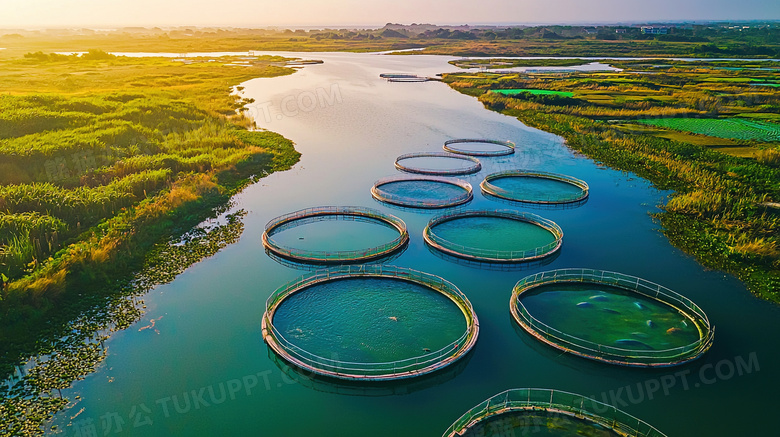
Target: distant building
column 620, row 30
column 650, row 30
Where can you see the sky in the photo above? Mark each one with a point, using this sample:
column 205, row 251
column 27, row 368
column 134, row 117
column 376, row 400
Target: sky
column 263, row 13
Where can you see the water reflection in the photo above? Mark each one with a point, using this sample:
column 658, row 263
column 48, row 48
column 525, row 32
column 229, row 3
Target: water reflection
column 320, row 383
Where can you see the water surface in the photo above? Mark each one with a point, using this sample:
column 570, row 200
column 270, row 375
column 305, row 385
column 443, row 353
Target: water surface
column 209, row 333
column 610, row 316
column 536, row 189
column 494, row 233
column 369, row 320
column 334, row 233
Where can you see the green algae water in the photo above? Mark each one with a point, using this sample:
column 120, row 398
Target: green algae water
column 334, row 233
column 610, row 316
column 373, row 320
column 207, row 332
column 537, row 423
column 422, row 191
column 494, row 233
column 535, row 189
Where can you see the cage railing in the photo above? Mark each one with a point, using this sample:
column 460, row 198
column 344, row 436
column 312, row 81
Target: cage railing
column 494, row 254
column 474, row 167
column 281, row 222
column 383, row 196
column 507, row 149
column 637, row 285
column 487, row 187
column 553, row 402
column 386, row 370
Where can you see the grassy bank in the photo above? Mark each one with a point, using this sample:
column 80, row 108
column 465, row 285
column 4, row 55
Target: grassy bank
column 722, row 211
column 101, row 159
column 716, row 40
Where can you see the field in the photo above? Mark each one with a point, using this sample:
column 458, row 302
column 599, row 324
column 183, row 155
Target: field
column 694, row 128
column 534, row 92
column 733, row 128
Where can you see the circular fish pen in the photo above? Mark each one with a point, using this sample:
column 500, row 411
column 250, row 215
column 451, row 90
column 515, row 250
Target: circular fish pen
column 504, row 236
column 370, row 323
column 422, row 191
column 403, row 77
column 432, row 164
column 618, row 319
column 312, row 253
column 535, row 187
column 550, row 413
column 480, row 147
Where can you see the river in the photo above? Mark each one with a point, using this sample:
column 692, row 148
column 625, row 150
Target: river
column 350, row 125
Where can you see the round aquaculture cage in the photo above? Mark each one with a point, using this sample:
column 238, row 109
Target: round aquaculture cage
column 422, row 191
column 535, row 187
column 438, row 164
column 479, row 147
column 494, row 236
column 342, row 241
column 370, row 323
column 525, row 410
column 611, row 317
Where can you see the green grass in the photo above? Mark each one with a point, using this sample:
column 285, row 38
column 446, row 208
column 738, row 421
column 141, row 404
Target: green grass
column 102, row 158
column 734, row 128
column 722, row 186
column 534, row 92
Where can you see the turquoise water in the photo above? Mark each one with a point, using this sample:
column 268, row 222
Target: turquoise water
column 536, row 189
column 334, row 234
column 537, row 424
column 436, row 163
column 369, row 320
column 422, row 191
column 494, row 233
column 210, row 335
column 610, row 316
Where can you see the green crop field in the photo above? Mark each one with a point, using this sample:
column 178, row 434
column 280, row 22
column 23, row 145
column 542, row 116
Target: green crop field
column 735, row 128
column 534, row 92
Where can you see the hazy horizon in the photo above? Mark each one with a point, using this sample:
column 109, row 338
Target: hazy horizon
column 356, row 13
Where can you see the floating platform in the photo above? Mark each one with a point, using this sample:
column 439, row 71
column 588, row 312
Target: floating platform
column 335, row 256
column 386, row 319
column 428, row 192
column 557, row 412
column 512, row 236
column 611, row 317
column 500, row 148
column 472, row 164
column 535, row 187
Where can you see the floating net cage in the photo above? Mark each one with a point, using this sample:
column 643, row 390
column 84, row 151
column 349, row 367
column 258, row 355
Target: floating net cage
column 473, row 164
column 460, row 192
column 474, row 253
column 550, row 188
column 335, row 256
column 631, row 351
column 504, row 147
column 551, row 403
column 403, row 77
column 427, row 363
